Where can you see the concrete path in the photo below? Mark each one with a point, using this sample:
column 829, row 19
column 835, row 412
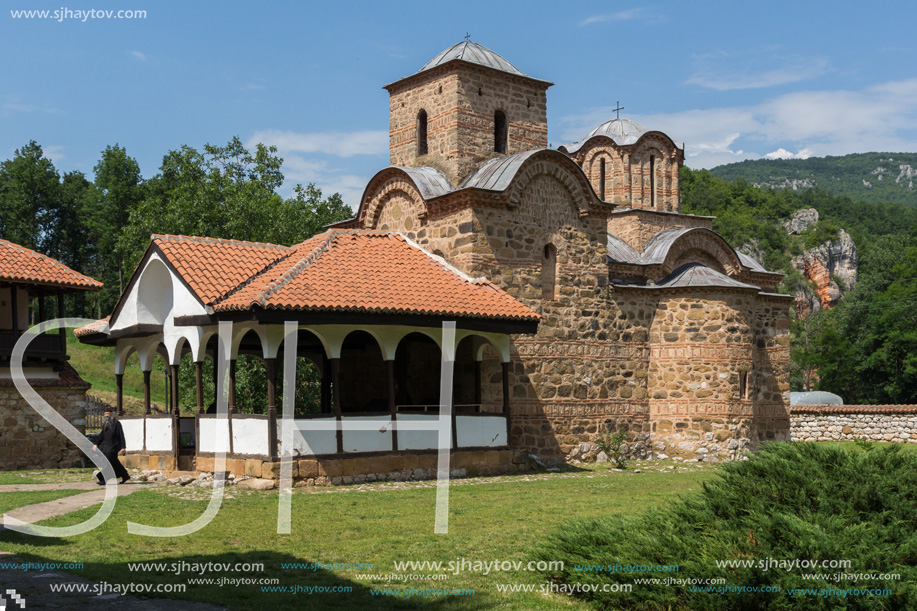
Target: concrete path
column 59, row 507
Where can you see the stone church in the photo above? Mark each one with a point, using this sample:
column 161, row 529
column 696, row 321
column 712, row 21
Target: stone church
column 648, row 318
column 583, row 301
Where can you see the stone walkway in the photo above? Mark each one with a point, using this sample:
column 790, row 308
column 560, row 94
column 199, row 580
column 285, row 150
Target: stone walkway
column 59, row 507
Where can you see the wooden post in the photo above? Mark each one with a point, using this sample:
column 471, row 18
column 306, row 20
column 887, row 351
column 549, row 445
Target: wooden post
column 477, row 384
column 325, row 401
column 14, row 299
column 146, row 393
column 60, row 314
column 336, row 396
column 199, row 385
column 232, row 386
column 393, row 410
column 119, row 392
column 505, row 367
column 173, row 379
column 271, row 365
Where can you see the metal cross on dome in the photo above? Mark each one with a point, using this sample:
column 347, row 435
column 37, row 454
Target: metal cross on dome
column 617, row 110
column 467, row 36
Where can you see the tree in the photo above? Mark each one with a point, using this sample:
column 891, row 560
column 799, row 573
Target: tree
column 29, row 190
column 118, row 190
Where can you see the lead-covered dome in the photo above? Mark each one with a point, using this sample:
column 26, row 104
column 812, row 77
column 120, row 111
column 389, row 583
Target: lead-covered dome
column 473, row 53
column 618, row 129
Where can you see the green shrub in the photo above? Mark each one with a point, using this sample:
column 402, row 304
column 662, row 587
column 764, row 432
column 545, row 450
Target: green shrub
column 615, row 447
column 790, row 501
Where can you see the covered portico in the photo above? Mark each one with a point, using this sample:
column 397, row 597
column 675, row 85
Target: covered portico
column 373, row 334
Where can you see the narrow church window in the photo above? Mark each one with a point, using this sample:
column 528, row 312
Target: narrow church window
column 548, row 272
column 480, row 91
column 422, row 133
column 652, row 180
column 500, row 131
column 743, row 385
column 602, row 179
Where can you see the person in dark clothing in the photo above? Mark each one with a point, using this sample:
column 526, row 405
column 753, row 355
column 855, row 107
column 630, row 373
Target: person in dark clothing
column 111, row 443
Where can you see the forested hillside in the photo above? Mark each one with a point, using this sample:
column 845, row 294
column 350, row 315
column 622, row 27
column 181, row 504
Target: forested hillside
column 867, row 177
column 865, row 348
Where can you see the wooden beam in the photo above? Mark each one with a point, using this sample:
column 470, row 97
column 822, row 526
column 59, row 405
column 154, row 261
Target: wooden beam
column 271, row 365
column 336, row 396
column 119, row 392
column 199, row 385
column 146, row 393
column 393, row 410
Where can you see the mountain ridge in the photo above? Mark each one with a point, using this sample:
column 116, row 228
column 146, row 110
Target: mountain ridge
column 868, row 177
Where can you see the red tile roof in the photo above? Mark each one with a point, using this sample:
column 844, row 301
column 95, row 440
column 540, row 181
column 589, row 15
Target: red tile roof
column 99, row 326
column 338, row 270
column 371, row 271
column 19, row 264
column 212, row 267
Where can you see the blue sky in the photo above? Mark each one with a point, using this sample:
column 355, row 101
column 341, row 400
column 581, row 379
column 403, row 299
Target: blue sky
column 732, row 80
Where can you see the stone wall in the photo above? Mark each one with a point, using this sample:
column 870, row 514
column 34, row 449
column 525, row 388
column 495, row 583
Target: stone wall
column 28, row 441
column 885, row 423
column 637, row 227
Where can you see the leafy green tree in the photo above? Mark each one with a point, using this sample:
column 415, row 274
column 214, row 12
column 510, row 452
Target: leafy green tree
column 118, row 189
column 30, row 191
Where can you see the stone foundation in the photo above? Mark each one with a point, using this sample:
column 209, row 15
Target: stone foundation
column 400, row 466
column 28, row 441
column 884, row 423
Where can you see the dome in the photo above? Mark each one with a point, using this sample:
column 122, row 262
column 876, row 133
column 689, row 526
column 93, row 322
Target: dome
column 473, row 53
column 617, row 129
column 816, row 397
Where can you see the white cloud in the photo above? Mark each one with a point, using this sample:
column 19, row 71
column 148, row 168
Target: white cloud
column 252, row 87
column 139, row 55
column 626, row 15
column 340, row 144
column 782, row 153
column 793, row 72
column 55, row 152
column 814, row 123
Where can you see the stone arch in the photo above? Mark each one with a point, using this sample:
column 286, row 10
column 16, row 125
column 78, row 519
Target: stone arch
column 592, row 166
column 397, row 190
column 562, row 169
column 701, row 240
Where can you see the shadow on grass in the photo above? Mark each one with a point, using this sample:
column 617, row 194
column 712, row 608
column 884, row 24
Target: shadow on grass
column 256, row 580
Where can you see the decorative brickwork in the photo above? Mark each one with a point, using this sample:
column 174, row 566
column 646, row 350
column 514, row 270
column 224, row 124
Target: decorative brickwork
column 882, row 423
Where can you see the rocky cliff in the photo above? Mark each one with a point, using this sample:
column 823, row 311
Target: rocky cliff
column 830, row 267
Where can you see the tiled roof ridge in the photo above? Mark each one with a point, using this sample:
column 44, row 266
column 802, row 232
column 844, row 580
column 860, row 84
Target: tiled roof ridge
column 79, row 279
column 323, row 244
column 167, row 237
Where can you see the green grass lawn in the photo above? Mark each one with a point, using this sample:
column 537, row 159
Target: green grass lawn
column 490, row 520
column 12, row 500
column 46, row 476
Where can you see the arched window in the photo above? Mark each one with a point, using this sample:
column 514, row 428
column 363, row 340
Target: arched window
column 548, row 272
column 422, row 133
column 500, row 132
column 652, row 180
column 602, row 179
